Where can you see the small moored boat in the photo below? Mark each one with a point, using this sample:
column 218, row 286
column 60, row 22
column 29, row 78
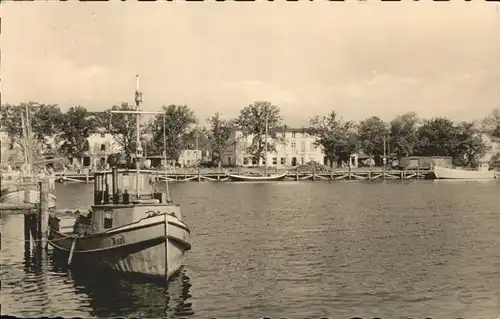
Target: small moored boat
column 249, row 178
column 453, row 173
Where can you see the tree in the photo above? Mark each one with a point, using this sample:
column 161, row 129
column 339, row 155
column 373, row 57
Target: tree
column 491, row 124
column 11, row 121
column 122, row 126
column 471, row 146
column 438, row 137
column 76, row 126
column 197, row 137
column 372, row 133
column 403, row 134
column 337, row 137
column 220, row 133
column 178, row 120
column 252, row 122
column 45, row 121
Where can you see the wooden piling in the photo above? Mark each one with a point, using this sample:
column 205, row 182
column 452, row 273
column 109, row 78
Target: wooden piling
column 369, row 175
column 199, row 175
column 27, row 232
column 314, row 174
column 296, row 175
column 43, row 213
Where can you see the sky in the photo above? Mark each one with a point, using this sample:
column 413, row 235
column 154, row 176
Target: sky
column 359, row 58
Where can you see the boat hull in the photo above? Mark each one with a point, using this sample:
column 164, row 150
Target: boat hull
column 451, row 173
column 135, row 248
column 243, row 178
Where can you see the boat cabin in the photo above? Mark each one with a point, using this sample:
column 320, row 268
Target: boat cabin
column 483, row 167
column 122, row 187
column 118, row 201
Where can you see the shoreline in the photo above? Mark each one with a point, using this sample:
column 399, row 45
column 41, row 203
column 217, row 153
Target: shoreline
column 222, row 176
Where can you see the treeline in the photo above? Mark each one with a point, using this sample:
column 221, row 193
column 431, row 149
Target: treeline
column 405, row 135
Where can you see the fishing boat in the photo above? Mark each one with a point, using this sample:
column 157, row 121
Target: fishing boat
column 267, row 177
column 453, row 173
column 130, row 227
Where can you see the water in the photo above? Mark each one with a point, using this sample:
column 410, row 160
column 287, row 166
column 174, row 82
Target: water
column 292, row 249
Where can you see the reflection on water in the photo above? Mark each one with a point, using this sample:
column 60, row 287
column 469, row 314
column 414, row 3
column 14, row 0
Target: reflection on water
column 111, row 294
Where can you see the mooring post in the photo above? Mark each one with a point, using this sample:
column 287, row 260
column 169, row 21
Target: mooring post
column 199, row 176
column 297, row 175
column 369, row 175
column 314, row 173
column 27, row 232
column 418, row 170
column 43, row 214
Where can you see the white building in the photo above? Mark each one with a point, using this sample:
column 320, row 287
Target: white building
column 100, row 145
column 297, row 148
column 189, row 158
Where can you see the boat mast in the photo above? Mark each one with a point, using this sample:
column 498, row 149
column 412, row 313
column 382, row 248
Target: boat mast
column 137, row 112
column 265, row 145
column 138, row 153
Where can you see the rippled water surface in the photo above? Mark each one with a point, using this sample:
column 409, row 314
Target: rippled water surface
column 291, row 249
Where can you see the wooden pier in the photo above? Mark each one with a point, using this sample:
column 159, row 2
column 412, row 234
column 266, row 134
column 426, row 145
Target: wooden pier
column 205, row 175
column 36, row 216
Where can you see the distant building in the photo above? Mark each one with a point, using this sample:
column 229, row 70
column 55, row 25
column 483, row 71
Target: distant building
column 189, row 158
column 101, row 144
column 298, row 147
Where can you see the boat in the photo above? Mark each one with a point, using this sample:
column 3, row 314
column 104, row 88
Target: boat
column 453, row 173
column 250, row 178
column 130, row 227
column 267, row 177
column 10, row 193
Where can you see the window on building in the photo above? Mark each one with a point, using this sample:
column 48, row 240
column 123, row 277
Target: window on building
column 302, row 147
column 301, row 160
column 293, row 134
column 229, row 160
column 275, row 160
column 108, row 220
column 264, row 161
column 103, row 147
column 293, row 145
column 282, row 161
column 245, row 160
column 254, row 161
column 103, row 135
